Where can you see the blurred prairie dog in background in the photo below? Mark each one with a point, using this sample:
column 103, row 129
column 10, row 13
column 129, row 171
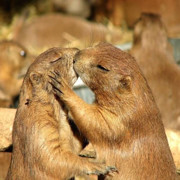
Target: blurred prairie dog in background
column 154, row 55
column 14, row 61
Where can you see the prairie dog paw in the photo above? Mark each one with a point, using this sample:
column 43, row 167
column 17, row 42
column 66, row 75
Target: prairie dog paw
column 88, row 153
column 59, row 84
column 100, row 169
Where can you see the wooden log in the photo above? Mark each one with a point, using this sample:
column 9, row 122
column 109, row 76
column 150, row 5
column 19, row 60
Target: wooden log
column 174, row 143
column 6, row 124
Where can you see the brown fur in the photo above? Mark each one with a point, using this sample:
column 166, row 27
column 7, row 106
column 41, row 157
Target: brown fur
column 61, row 30
column 14, row 61
column 5, row 158
column 155, row 57
column 44, row 146
column 6, row 122
column 124, row 123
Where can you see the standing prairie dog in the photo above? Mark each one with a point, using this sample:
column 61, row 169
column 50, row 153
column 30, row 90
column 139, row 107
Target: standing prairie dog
column 44, row 146
column 124, row 123
column 155, row 57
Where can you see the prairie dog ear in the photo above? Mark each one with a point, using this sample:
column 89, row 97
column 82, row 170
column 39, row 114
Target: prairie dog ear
column 35, row 77
column 125, row 83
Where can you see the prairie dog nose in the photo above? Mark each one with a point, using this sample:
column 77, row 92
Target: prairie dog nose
column 76, row 56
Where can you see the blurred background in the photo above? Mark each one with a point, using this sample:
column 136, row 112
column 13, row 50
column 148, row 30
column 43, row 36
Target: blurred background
column 37, row 25
column 149, row 30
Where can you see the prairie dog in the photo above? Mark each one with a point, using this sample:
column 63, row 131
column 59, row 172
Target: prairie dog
column 124, row 124
column 43, row 143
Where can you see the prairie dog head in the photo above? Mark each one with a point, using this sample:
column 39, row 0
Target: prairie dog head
column 14, row 62
column 150, row 29
column 54, row 59
column 107, row 70
column 13, row 54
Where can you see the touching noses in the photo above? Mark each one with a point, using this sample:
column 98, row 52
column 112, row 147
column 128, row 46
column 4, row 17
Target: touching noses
column 76, row 56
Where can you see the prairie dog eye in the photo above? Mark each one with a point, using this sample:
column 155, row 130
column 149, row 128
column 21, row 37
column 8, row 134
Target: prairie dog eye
column 55, row 60
column 23, row 53
column 102, row 68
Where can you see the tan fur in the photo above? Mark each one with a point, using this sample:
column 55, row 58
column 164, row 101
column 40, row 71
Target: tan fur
column 124, row 123
column 14, row 61
column 155, row 57
column 44, row 146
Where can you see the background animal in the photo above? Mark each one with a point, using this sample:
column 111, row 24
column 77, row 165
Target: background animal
column 14, row 61
column 61, row 30
column 154, row 55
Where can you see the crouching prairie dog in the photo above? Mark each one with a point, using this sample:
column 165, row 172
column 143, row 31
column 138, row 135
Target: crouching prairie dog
column 43, row 144
column 155, row 57
column 14, row 61
column 62, row 30
column 124, row 124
